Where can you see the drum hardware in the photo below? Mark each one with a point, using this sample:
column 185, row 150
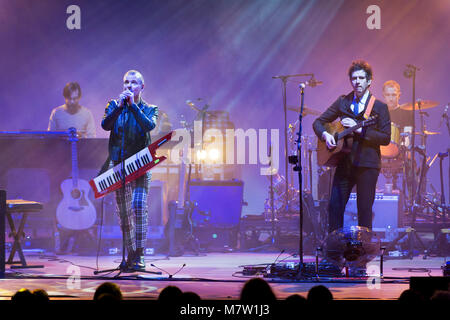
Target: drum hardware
column 284, row 79
column 440, row 211
column 413, row 207
column 416, row 204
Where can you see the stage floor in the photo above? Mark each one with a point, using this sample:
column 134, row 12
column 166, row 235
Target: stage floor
column 214, row 276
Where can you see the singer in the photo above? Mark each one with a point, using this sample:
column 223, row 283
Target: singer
column 361, row 166
column 130, row 118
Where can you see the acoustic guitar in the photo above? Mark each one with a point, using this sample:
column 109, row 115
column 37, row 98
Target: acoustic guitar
column 344, row 140
column 75, row 211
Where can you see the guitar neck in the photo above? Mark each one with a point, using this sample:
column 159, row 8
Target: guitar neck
column 347, row 131
column 181, row 180
column 74, row 164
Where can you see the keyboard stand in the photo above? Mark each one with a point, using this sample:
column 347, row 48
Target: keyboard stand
column 25, row 207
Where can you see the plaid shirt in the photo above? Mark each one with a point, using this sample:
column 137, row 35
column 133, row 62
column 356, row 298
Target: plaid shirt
column 138, row 121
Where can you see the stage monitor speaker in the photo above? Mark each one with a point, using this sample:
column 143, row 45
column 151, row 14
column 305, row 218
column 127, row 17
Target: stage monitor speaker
column 385, row 211
column 219, row 203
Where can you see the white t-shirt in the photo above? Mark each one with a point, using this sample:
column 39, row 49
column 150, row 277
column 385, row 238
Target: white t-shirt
column 83, row 121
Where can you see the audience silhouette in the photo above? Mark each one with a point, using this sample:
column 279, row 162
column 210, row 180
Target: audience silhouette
column 108, row 292
column 257, row 290
column 170, row 294
column 24, row 295
column 319, row 295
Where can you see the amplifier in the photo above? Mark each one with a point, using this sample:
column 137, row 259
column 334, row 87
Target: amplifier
column 385, row 211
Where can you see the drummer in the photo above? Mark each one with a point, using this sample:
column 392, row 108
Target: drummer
column 401, row 118
column 391, row 93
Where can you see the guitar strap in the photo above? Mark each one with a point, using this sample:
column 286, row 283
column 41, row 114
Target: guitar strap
column 369, row 107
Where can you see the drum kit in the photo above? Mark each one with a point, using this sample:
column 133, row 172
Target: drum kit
column 396, row 157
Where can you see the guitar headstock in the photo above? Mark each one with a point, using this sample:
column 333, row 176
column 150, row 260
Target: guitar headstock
column 72, row 134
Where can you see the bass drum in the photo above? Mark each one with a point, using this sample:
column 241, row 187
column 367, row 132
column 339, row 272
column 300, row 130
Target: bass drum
column 392, row 150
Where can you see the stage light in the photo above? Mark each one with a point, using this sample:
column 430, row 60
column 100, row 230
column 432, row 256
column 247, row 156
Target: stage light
column 213, row 154
column 201, row 154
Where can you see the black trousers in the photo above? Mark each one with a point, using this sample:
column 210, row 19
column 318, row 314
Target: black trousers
column 345, row 178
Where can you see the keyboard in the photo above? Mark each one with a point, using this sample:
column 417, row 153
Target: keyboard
column 134, row 167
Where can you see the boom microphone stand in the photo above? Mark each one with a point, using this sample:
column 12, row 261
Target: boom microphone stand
column 298, row 168
column 297, row 160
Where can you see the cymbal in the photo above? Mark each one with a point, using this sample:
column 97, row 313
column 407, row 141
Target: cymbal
column 424, row 104
column 306, row 110
column 427, row 133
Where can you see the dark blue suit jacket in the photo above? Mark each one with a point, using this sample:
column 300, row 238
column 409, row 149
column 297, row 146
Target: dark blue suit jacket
column 366, row 147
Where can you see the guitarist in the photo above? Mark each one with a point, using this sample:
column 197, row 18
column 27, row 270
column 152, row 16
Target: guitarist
column 362, row 165
column 136, row 118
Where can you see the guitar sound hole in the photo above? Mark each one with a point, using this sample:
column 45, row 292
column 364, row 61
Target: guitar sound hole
column 75, row 193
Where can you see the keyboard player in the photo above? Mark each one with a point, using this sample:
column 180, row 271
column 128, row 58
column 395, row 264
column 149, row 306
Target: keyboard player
column 132, row 118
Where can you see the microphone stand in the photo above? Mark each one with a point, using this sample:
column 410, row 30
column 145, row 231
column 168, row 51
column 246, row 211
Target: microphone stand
column 297, row 160
column 123, row 264
column 123, row 267
column 298, row 168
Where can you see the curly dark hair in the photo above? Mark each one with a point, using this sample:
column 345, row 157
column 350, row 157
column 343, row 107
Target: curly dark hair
column 360, row 65
column 71, row 87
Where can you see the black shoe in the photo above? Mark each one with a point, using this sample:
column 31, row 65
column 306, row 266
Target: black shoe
column 139, row 260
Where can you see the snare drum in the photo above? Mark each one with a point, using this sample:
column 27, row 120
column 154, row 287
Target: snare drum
column 392, row 150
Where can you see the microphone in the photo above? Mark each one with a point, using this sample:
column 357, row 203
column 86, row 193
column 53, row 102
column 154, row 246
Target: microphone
column 191, row 104
column 282, row 251
column 170, row 275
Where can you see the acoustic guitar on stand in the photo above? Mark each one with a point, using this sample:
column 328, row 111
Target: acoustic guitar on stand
column 344, row 140
column 75, row 211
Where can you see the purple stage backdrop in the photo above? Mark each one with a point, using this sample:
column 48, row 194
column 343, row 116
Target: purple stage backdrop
column 223, row 51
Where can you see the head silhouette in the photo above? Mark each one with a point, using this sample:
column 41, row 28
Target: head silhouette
column 257, row 289
column 108, row 288
column 319, row 294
